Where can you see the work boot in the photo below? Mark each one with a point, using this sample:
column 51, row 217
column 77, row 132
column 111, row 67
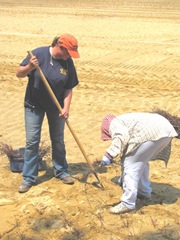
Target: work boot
column 24, row 188
column 68, row 180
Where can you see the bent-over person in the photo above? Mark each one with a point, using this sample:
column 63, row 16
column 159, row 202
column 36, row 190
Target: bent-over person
column 137, row 138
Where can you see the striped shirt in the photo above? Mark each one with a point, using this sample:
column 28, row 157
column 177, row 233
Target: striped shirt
column 128, row 131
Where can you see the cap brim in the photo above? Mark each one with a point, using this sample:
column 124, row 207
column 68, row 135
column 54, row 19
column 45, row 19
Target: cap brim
column 73, row 54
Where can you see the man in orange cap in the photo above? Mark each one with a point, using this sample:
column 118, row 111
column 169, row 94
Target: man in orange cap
column 57, row 65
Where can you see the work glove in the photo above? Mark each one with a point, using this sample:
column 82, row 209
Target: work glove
column 105, row 161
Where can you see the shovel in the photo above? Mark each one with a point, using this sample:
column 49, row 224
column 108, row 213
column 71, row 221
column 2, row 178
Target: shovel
column 52, row 95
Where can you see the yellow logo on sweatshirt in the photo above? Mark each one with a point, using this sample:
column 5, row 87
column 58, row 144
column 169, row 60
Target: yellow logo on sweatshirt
column 63, row 71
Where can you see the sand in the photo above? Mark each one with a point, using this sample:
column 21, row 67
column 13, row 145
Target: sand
column 129, row 62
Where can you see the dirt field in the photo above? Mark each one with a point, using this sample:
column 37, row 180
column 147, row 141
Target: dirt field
column 130, row 54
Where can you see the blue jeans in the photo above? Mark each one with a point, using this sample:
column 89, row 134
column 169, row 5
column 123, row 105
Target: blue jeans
column 33, row 123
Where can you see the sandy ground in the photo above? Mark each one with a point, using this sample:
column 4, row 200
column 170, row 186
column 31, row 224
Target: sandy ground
column 130, row 54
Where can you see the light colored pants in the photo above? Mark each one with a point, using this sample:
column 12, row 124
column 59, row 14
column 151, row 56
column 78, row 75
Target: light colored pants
column 136, row 170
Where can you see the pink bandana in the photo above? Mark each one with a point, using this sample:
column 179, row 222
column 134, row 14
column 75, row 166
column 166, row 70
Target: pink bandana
column 105, row 127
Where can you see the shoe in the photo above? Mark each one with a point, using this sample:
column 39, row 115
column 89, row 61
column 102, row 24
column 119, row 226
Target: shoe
column 146, row 197
column 24, row 188
column 120, row 208
column 67, row 180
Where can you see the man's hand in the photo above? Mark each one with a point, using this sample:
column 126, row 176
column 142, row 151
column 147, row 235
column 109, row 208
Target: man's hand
column 33, row 62
column 64, row 113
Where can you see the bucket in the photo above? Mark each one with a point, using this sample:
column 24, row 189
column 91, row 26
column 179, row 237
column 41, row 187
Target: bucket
column 17, row 162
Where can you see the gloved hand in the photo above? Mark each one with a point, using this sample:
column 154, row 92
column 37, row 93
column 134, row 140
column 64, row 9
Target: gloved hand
column 105, row 161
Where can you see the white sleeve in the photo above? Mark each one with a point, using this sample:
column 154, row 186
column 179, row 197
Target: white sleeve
column 120, row 138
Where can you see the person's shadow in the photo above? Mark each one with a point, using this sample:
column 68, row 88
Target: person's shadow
column 81, row 169
column 164, row 193
column 161, row 194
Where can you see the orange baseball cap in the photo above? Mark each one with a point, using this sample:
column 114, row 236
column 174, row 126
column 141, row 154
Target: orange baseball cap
column 70, row 43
